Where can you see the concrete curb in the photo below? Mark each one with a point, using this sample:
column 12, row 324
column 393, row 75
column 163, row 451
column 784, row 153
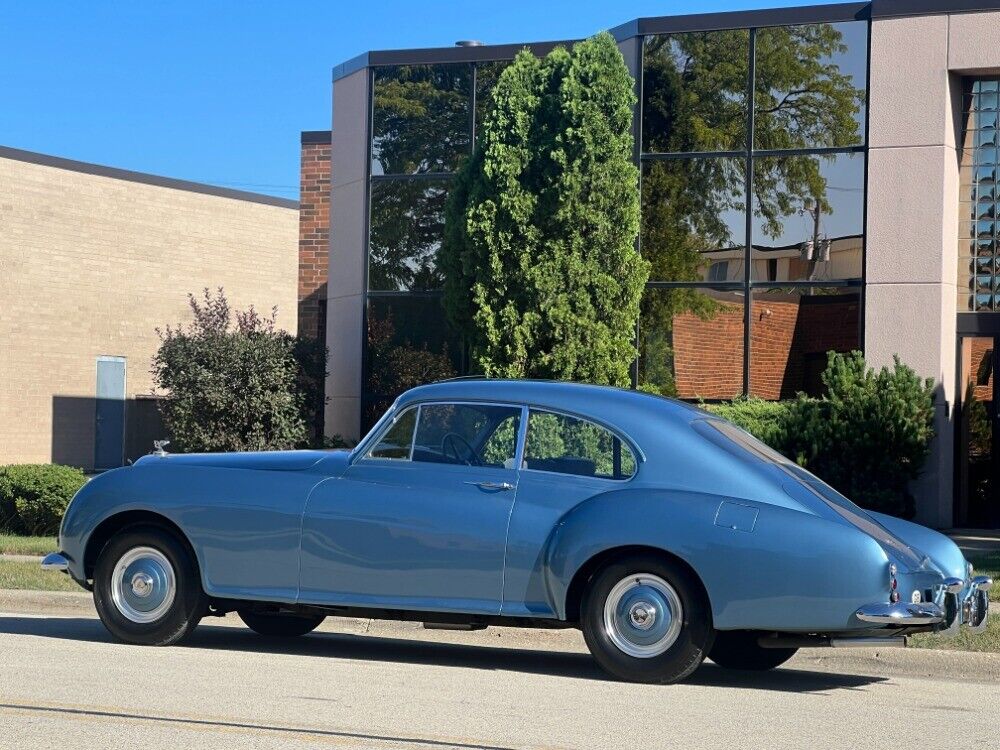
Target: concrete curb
column 893, row 662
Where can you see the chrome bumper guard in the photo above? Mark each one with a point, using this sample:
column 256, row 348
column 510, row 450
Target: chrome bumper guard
column 55, row 561
column 950, row 610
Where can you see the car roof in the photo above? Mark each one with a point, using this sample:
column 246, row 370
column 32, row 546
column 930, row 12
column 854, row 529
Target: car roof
column 617, row 407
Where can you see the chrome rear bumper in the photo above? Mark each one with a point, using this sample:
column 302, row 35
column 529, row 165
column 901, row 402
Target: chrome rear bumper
column 950, row 610
column 902, row 614
column 55, row 561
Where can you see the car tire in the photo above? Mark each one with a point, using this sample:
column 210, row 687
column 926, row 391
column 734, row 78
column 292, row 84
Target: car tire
column 280, row 625
column 147, row 589
column 623, row 622
column 738, row 649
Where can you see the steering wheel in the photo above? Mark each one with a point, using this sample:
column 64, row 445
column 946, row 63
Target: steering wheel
column 451, row 440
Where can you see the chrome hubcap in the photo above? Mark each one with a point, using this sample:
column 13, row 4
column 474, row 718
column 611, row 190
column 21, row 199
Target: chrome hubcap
column 642, row 615
column 143, row 585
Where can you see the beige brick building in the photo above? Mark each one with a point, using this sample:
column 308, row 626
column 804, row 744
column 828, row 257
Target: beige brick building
column 92, row 261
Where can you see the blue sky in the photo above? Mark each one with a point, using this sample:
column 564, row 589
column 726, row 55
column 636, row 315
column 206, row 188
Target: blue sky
column 218, row 92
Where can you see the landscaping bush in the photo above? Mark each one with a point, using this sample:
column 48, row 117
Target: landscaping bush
column 33, row 497
column 765, row 420
column 870, row 433
column 868, row 436
column 234, row 381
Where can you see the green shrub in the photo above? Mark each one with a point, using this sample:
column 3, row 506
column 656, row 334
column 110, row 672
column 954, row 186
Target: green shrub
column 869, row 435
column 33, row 497
column 765, row 420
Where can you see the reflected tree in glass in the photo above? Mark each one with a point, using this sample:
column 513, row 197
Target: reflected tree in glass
column 407, row 222
column 420, row 118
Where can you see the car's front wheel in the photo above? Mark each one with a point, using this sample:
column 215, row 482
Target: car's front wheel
column 280, row 625
column 739, row 649
column 646, row 619
column 146, row 588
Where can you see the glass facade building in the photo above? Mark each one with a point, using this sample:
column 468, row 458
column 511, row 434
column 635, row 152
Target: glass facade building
column 751, row 148
column 811, row 179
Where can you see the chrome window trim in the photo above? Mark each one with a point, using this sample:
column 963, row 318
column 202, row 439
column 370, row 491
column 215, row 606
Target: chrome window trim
column 375, row 437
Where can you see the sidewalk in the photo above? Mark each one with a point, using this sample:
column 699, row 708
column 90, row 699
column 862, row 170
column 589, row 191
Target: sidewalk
column 976, row 541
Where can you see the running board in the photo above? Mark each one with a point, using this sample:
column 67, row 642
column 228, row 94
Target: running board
column 455, row 626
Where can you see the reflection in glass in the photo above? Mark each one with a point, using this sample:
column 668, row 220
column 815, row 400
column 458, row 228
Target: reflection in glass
column 808, row 218
column 693, row 225
column 407, row 222
column 694, row 91
column 487, row 75
column 978, row 470
column 791, row 331
column 979, row 240
column 809, row 87
column 691, row 343
column 409, row 343
column 420, row 118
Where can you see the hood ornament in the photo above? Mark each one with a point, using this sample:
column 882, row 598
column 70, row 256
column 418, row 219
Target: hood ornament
column 158, row 447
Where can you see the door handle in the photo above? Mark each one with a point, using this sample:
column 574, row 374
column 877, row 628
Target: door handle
column 503, row 486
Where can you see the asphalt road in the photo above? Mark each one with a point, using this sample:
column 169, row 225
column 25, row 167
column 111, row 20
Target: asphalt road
column 64, row 684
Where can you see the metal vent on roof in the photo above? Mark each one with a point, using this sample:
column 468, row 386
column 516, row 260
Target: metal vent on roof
column 468, row 43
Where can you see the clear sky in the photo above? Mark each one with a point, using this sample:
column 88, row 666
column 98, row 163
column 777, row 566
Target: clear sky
column 218, row 91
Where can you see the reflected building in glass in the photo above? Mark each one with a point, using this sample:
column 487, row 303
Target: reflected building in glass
column 805, row 174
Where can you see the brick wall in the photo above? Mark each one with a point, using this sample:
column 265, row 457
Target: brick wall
column 91, row 265
column 789, row 338
column 314, row 232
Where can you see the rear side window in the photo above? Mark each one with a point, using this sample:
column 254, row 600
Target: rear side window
column 568, row 445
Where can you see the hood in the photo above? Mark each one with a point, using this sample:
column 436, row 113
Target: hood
column 260, row 461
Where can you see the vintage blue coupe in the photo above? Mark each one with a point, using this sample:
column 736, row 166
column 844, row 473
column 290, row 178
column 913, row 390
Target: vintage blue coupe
column 665, row 533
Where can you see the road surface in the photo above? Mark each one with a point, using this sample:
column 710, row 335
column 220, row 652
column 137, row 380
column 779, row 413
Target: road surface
column 64, row 684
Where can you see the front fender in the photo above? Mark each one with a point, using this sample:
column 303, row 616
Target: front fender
column 789, row 570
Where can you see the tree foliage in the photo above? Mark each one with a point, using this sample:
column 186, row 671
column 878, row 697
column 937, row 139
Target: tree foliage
column 235, row 382
column 33, row 497
column 541, row 273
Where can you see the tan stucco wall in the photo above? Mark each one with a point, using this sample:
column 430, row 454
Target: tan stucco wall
column 913, row 192
column 346, row 282
column 90, row 266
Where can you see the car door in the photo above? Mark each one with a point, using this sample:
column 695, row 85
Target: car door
column 565, row 461
column 420, row 520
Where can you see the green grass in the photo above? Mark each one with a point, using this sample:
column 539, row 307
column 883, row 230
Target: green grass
column 11, row 544
column 29, row 575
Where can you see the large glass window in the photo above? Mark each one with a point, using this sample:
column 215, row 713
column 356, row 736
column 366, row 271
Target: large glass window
column 757, row 254
column 792, row 330
column 694, row 91
column 979, row 240
column 694, row 219
column 407, row 224
column 809, row 85
column 408, row 344
column 808, row 217
column 691, row 343
column 421, row 118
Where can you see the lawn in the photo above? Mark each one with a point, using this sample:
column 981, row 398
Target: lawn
column 27, row 545
column 29, row 575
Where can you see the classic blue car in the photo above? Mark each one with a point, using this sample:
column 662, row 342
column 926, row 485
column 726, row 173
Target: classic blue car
column 665, row 533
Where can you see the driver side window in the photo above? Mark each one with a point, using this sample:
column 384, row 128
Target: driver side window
column 466, row 434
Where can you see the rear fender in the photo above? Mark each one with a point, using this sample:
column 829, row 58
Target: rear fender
column 786, row 570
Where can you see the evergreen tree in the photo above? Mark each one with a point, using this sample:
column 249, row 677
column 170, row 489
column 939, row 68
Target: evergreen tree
column 541, row 272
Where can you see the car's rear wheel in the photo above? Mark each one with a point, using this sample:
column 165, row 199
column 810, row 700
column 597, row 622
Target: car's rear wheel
column 646, row 619
column 739, row 649
column 280, row 625
column 146, row 587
